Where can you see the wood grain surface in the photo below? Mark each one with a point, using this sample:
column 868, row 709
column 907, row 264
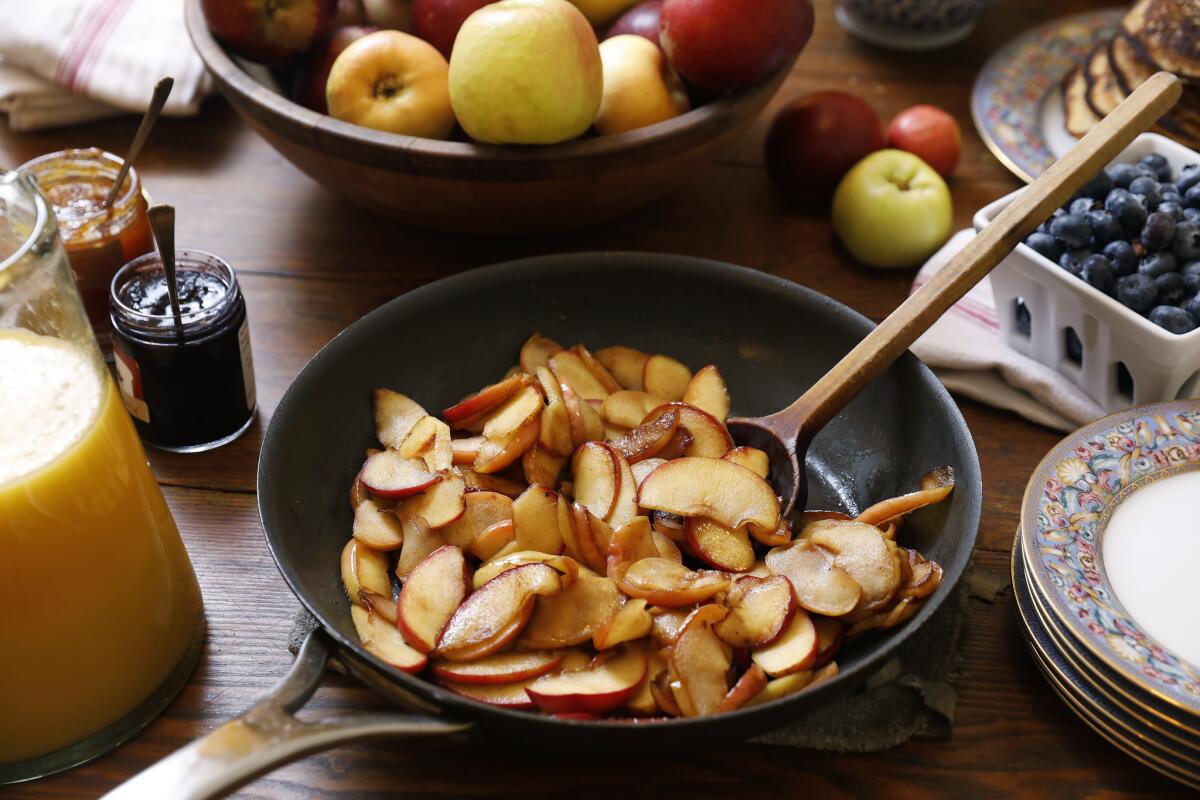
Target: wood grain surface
column 310, row 265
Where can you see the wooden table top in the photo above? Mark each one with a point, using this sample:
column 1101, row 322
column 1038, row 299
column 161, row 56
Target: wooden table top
column 310, row 265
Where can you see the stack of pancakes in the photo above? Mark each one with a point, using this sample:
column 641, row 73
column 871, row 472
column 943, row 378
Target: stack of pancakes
column 1154, row 35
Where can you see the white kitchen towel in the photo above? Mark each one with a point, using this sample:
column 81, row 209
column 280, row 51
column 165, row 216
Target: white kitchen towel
column 69, row 61
column 966, row 350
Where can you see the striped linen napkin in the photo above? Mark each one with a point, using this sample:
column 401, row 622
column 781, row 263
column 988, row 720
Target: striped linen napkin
column 64, row 62
column 967, row 352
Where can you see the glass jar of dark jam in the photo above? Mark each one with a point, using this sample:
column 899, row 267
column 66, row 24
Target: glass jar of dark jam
column 188, row 384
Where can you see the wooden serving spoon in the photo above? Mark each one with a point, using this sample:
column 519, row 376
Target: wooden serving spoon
column 786, row 435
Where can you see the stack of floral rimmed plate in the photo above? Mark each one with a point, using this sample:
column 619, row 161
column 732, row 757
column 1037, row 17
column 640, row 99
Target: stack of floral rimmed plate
column 1105, row 568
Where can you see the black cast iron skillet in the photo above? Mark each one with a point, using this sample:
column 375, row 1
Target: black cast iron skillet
column 771, row 339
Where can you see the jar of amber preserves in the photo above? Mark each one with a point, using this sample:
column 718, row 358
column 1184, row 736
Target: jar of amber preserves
column 98, row 241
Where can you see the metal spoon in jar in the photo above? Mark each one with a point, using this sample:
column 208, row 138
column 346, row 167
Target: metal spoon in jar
column 162, row 225
column 162, row 91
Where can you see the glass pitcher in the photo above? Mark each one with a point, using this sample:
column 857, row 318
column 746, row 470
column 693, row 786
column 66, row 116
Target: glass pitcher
column 101, row 619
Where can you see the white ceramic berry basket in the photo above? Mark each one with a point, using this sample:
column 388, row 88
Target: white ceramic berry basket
column 1161, row 365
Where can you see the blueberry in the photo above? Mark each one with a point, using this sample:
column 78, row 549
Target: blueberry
column 1192, row 307
column 1045, row 226
column 1158, row 231
column 1191, row 214
column 1171, row 208
column 1156, row 162
column 1186, row 246
column 1191, row 198
column 1098, row 272
column 1072, row 260
column 1174, row 319
column 1098, row 186
column 1072, row 230
column 1147, row 187
column 1137, row 292
column 1124, row 260
column 1189, row 176
column 1158, row 264
column 1045, row 244
column 1170, row 194
column 1191, row 275
column 1105, row 227
column 1082, row 205
column 1171, row 288
column 1126, row 208
column 1122, row 174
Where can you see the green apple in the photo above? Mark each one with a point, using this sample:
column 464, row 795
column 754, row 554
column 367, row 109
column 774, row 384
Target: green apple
column 526, row 72
column 892, row 210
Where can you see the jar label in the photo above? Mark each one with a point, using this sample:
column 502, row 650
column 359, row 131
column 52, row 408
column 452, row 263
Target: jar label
column 129, row 379
column 247, row 363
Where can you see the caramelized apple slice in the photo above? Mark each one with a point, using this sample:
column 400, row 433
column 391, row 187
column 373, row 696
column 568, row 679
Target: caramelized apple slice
column 709, row 487
column 465, row 451
column 605, row 685
column 496, row 613
column 572, row 373
column 499, row 667
column 429, row 440
column 935, row 486
column 486, row 399
column 376, row 528
column 433, row 592
column 631, row 622
column 625, row 506
column 573, row 615
column 536, row 352
column 627, row 408
column 889, row 617
column 863, row 552
column 649, row 439
column 567, row 567
column 493, row 540
column 830, row 635
column 625, row 364
column 482, row 510
column 442, row 503
column 585, row 422
column 364, row 569
column 707, row 614
column 383, row 640
column 719, row 546
column 535, row 520
column 554, row 432
column 643, row 702
column 542, row 467
column 666, row 548
column 487, row 482
column 592, row 536
column 821, row 586
column 794, row 650
column 666, row 583
column 641, row 469
column 749, row 686
column 759, row 612
column 663, row 376
column 631, row 542
column 706, row 391
column 751, row 458
column 782, row 687
column 388, row 474
column 700, row 662
column 669, row 525
column 597, row 477
column 419, row 541
column 395, row 416
column 919, row 576
column 598, row 370
column 707, row 438
column 667, row 623
column 510, row 430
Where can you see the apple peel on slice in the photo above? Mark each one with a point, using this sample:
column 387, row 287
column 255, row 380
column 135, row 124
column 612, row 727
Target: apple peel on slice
column 749, row 686
column 709, row 487
column 364, row 569
column 442, row 503
column 481, row 511
column 496, row 613
column 484, row 400
column 751, row 458
column 381, row 639
column 597, row 477
column 499, row 667
column 599, row 688
column 649, row 439
column 598, row 370
column 706, row 437
column 388, row 474
column 759, row 612
column 433, row 592
column 821, row 586
column 935, row 486
column 662, row 582
column 793, row 651
column 567, row 567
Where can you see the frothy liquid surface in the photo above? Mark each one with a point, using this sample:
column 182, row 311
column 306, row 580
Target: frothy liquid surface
column 49, row 396
column 1152, row 557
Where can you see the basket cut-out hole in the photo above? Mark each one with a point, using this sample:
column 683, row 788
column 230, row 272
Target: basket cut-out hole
column 1073, row 345
column 1190, row 388
column 1022, row 319
column 1125, row 385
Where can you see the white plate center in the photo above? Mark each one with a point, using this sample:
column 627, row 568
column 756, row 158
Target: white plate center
column 1152, row 558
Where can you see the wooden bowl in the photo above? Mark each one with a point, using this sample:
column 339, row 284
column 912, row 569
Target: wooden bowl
column 487, row 190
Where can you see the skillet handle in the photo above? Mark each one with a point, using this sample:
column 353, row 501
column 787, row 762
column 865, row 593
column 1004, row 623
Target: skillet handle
column 268, row 736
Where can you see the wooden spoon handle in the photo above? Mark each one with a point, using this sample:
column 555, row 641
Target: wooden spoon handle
column 914, row 316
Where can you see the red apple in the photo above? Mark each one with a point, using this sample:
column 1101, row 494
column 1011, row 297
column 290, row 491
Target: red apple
column 815, row 139
column 641, row 20
column 723, row 46
column 312, row 76
column 392, row 15
column 929, row 132
column 269, row 31
column 438, row 21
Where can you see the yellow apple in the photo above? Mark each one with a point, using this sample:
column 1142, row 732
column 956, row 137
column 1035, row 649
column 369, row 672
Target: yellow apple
column 392, row 81
column 892, row 210
column 602, row 12
column 640, row 86
column 526, row 72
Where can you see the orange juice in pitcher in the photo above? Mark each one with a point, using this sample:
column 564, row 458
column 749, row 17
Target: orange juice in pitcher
column 100, row 614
